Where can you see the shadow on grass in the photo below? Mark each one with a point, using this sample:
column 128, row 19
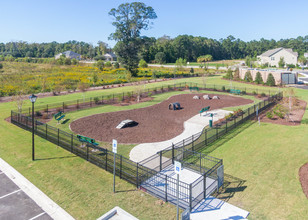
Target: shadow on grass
column 124, row 191
column 227, row 137
column 231, row 186
column 65, row 121
column 54, row 158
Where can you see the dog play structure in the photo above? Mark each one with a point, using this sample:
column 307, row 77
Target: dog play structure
column 174, row 106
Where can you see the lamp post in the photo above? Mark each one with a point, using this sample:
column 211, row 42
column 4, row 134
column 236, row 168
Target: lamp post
column 33, row 99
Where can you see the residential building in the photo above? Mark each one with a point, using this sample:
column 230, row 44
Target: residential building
column 272, row 57
column 110, row 57
column 69, row 54
column 306, row 55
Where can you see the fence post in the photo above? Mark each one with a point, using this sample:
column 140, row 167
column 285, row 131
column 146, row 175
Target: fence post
column 205, row 134
column 166, row 188
column 90, row 101
column 204, row 185
column 160, row 160
column 190, row 196
column 172, row 153
column 77, row 106
column 46, row 132
column 72, row 142
column 192, row 143
column 47, row 109
column 58, row 136
column 216, row 133
column 137, row 180
column 120, row 166
column 200, row 162
column 63, row 107
column 87, row 153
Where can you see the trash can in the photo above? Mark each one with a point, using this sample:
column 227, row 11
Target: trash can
column 211, row 123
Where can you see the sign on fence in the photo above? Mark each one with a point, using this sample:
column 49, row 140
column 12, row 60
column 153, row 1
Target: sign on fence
column 177, row 167
column 114, row 146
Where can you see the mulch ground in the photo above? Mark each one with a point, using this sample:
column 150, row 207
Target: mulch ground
column 303, row 178
column 155, row 123
column 295, row 118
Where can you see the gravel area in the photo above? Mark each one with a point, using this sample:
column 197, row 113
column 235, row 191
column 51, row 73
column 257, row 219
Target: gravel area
column 155, row 123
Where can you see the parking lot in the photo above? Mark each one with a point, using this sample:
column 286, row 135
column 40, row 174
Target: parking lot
column 16, row 204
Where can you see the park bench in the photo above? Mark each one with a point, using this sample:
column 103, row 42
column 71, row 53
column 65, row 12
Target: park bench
column 59, row 116
column 86, row 140
column 204, row 110
column 194, row 88
column 235, row 91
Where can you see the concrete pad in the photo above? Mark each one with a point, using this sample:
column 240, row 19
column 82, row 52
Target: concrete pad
column 216, row 209
column 191, row 127
column 41, row 200
column 117, row 214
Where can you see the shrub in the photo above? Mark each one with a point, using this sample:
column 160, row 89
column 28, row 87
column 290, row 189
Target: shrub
column 45, row 116
column 108, row 64
column 96, row 100
column 38, row 113
column 270, row 80
column 281, row 62
column 116, row 65
column 291, row 66
column 263, row 94
column 223, row 88
column 229, row 74
column 254, row 93
column 149, row 94
column 1, row 66
column 258, row 78
column 100, row 65
column 143, row 64
column 74, row 61
column 67, row 61
column 191, row 70
column 269, row 115
column 248, row 77
column 279, row 111
column 243, row 92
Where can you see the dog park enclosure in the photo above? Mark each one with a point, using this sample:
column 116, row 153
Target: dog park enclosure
column 140, row 174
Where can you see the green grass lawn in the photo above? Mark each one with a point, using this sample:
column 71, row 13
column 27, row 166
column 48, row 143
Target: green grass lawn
column 268, row 157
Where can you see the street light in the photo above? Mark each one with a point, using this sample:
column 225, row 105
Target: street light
column 33, row 99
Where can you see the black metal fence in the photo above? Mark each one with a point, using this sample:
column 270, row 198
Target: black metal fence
column 152, row 173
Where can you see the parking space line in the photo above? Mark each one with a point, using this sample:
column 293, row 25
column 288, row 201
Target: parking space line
column 10, row 193
column 37, row 216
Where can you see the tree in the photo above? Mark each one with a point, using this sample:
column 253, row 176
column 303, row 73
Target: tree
column 270, row 80
column 180, row 63
column 248, row 77
column 281, row 62
column 302, row 60
column 236, row 75
column 116, row 65
column 160, row 57
column 258, row 78
column 1, row 66
column 205, row 59
column 130, row 19
column 229, row 75
column 143, row 64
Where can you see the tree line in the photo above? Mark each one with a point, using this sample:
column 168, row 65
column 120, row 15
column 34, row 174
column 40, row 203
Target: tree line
column 161, row 50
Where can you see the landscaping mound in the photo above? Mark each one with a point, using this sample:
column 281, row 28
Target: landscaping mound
column 155, row 123
column 303, row 178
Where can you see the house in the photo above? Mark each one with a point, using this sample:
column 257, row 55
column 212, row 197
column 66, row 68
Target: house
column 272, row 57
column 69, row 54
column 110, row 57
column 306, row 55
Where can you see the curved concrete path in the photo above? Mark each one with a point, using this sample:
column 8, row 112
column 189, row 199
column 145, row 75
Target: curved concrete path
column 192, row 126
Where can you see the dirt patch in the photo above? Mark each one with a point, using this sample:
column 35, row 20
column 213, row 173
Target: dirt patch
column 155, row 123
column 295, row 117
column 303, row 178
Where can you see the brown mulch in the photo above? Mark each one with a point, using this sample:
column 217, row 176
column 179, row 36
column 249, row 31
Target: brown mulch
column 303, row 178
column 296, row 115
column 156, row 123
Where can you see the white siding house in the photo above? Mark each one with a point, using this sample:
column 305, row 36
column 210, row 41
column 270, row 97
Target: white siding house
column 110, row 57
column 272, row 57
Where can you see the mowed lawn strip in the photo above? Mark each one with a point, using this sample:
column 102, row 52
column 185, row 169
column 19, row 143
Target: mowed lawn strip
column 268, row 157
column 81, row 188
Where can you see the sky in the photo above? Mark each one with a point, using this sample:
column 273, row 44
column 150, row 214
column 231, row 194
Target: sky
column 88, row 21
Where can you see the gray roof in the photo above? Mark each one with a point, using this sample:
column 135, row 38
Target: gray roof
column 269, row 53
column 70, row 53
column 110, row 54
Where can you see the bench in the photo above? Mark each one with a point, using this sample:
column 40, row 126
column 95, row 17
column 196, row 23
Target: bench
column 59, row 116
column 194, row 88
column 86, row 140
column 235, row 91
column 204, row 110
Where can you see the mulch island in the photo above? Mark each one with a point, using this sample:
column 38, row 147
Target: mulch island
column 155, row 123
column 284, row 115
column 303, row 178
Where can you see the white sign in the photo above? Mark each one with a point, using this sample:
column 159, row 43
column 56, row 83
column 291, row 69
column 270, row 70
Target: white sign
column 114, row 146
column 177, row 167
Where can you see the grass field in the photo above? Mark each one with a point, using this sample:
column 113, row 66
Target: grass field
column 267, row 157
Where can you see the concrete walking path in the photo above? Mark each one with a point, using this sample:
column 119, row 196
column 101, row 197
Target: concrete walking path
column 191, row 127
